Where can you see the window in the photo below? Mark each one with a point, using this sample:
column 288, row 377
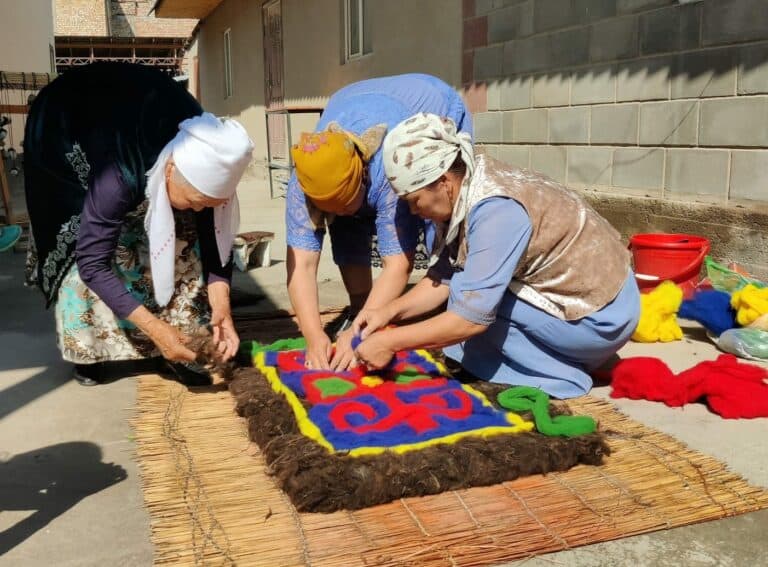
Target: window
column 227, row 64
column 356, row 29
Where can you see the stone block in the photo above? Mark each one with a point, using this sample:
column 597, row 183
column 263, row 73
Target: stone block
column 552, row 89
column 672, row 29
column 483, row 7
column 526, row 55
column 493, row 95
column 697, row 172
column 569, row 125
column 488, row 62
column 638, row 168
column 513, row 22
column 631, row 6
column 553, row 15
column 569, row 48
column 734, row 122
column 749, row 175
column 588, row 11
column 704, row 74
column 753, row 69
column 516, row 156
column 673, row 123
column 490, row 150
column 550, row 160
column 647, row 79
column 734, row 21
column 530, row 126
column 487, row 127
column 613, row 39
column 516, row 93
column 614, row 124
column 507, row 126
column 589, row 166
column 475, row 32
column 593, row 85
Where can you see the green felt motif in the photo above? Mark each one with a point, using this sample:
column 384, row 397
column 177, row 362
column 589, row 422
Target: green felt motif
column 525, row 398
column 408, row 378
column 255, row 347
column 333, row 386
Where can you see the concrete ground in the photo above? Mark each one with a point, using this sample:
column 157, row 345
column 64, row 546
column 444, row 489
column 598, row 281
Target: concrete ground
column 69, row 487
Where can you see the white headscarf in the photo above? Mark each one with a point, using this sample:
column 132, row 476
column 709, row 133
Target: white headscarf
column 417, row 152
column 212, row 155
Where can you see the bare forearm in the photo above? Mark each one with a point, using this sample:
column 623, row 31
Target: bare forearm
column 436, row 332
column 302, row 291
column 424, row 297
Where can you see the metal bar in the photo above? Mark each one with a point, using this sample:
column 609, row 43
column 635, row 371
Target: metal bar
column 14, row 109
column 6, row 193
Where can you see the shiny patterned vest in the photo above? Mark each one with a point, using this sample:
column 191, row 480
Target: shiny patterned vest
column 575, row 263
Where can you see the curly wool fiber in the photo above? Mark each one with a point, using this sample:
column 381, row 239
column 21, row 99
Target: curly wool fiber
column 750, row 303
column 658, row 315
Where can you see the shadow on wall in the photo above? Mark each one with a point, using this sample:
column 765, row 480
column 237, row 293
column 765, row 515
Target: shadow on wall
column 50, row 481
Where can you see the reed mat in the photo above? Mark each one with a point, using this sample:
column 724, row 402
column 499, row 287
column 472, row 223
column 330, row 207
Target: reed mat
column 212, row 502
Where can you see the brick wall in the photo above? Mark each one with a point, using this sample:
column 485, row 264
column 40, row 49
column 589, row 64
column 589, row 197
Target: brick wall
column 81, row 17
column 660, row 98
column 127, row 18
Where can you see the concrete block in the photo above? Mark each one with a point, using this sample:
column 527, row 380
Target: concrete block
column 552, row 89
column 631, row 6
column 493, row 95
column 516, row 93
column 569, row 48
column 491, row 150
column 673, row 123
column 593, row 85
column 734, row 21
column 487, row 127
column 483, row 7
column 550, row 160
column 613, row 39
column 513, row 22
column 638, row 168
column 614, row 124
column 697, row 172
column 734, row 122
column 516, row 156
column 672, row 29
column 569, row 125
column 647, row 79
column 704, row 74
column 589, row 166
column 749, row 175
column 526, row 55
column 753, row 69
column 488, row 62
column 553, row 15
column 507, row 126
column 588, row 11
column 530, row 126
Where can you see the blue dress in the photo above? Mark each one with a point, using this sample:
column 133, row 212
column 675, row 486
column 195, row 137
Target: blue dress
column 357, row 107
column 523, row 345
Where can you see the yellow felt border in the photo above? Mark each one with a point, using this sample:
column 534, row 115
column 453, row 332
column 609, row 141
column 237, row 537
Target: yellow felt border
column 309, row 429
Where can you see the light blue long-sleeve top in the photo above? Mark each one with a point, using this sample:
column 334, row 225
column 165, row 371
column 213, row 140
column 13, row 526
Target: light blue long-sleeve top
column 523, row 345
column 357, row 107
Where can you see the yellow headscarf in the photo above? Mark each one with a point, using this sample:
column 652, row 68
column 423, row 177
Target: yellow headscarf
column 329, row 167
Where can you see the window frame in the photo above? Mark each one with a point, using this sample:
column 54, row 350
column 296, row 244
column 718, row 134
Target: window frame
column 348, row 55
column 229, row 88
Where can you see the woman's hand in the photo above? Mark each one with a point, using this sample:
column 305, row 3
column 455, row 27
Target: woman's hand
column 319, row 350
column 374, row 352
column 370, row 320
column 170, row 342
column 225, row 336
column 344, row 355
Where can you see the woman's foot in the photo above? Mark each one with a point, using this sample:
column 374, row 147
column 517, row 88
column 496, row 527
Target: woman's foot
column 9, row 235
column 88, row 374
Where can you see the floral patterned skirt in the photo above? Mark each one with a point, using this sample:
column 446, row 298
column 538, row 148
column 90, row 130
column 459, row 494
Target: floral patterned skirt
column 87, row 329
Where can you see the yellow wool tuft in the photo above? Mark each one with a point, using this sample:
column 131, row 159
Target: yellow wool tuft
column 750, row 303
column 658, row 315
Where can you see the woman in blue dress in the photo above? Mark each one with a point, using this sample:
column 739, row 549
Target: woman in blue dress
column 538, row 286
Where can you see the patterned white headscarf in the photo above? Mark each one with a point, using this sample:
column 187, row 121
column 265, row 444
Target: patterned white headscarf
column 417, row 152
column 212, row 155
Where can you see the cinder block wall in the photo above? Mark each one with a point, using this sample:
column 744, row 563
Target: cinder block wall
column 665, row 100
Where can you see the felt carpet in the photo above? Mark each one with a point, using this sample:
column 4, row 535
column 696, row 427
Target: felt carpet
column 212, row 501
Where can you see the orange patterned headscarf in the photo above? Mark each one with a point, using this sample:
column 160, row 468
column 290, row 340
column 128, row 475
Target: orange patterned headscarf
column 329, row 169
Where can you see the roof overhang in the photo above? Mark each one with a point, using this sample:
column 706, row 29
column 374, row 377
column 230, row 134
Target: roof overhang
column 199, row 9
